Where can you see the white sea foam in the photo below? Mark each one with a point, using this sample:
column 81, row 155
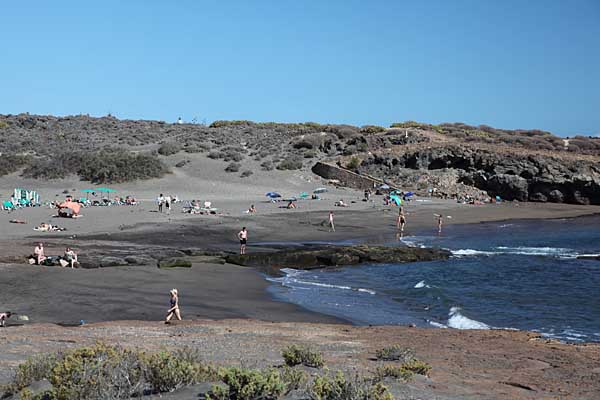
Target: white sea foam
column 458, row 321
column 290, row 280
column 420, row 285
column 536, row 251
column 471, row 252
column 438, row 325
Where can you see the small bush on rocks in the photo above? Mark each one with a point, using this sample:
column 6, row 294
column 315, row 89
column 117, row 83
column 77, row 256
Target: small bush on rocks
column 302, row 355
column 290, row 163
column 246, row 384
column 169, row 148
column 339, row 387
column 371, row 129
column 233, row 167
column 267, row 165
column 395, row 353
column 246, row 174
column 393, row 371
column 353, row 163
column 417, row 366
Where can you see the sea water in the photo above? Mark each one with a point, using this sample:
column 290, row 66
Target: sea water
column 513, row 275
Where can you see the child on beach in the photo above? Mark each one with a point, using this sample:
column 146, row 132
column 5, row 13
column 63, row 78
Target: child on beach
column 243, row 237
column 174, row 310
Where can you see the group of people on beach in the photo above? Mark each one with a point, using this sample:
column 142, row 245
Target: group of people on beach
column 166, row 202
column 39, row 257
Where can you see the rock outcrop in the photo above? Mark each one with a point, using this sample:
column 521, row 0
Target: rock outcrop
column 513, row 177
column 331, row 256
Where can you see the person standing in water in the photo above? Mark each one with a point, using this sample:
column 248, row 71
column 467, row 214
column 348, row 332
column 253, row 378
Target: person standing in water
column 243, row 236
column 331, row 224
column 440, row 223
column 401, row 219
column 174, row 310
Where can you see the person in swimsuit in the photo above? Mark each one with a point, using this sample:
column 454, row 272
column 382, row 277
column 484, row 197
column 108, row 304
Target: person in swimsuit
column 331, row 224
column 243, row 236
column 174, row 310
column 39, row 253
column 401, row 219
column 70, row 256
column 440, row 223
column 160, row 200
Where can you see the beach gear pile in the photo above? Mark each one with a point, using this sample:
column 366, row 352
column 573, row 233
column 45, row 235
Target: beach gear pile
column 22, row 198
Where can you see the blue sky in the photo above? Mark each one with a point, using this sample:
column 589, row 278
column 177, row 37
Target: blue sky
column 508, row 64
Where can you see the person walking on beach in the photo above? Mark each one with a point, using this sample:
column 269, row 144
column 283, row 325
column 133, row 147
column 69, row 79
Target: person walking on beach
column 168, row 201
column 3, row 317
column 440, row 223
column 174, row 310
column 243, row 236
column 401, row 219
column 160, row 200
column 331, row 224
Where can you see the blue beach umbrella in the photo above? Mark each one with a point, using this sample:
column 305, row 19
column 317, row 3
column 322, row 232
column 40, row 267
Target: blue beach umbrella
column 408, row 194
column 319, row 190
column 273, row 195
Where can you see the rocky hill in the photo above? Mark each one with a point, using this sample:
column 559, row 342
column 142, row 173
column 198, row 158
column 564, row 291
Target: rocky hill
column 450, row 160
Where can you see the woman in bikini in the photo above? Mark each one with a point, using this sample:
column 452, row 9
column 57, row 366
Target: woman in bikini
column 174, row 310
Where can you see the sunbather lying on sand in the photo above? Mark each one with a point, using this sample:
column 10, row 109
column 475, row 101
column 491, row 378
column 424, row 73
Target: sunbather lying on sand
column 44, row 227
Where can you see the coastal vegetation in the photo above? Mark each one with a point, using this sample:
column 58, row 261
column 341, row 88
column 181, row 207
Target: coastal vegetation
column 106, row 371
column 301, row 355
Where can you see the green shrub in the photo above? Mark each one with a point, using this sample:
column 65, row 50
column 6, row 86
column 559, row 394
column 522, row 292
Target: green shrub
column 167, row 372
column 116, row 166
column 393, row 371
column 339, row 387
column 302, row 355
column 417, row 366
column 221, row 124
column 353, row 163
column 395, row 353
column 106, row 166
column 12, row 163
column 233, row 167
column 371, row 129
column 3, row 124
column 169, row 148
column 110, row 372
column 246, row 173
column 215, row 154
column 290, row 163
column 267, row 165
column 248, row 384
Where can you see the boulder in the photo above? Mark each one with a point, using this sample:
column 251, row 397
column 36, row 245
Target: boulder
column 509, row 187
column 331, row 256
column 556, row 196
column 174, row 263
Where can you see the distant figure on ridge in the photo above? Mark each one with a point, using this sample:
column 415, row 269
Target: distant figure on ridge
column 179, row 121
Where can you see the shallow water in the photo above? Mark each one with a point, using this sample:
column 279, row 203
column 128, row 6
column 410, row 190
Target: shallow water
column 517, row 275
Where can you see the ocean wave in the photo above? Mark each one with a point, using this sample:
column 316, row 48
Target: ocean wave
column 421, row 284
column 458, row 321
column 559, row 252
column 290, row 280
column 438, row 325
column 471, row 252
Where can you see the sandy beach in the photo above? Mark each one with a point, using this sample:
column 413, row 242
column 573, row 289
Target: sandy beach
column 57, row 299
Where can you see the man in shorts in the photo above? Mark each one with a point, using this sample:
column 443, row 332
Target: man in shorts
column 243, row 236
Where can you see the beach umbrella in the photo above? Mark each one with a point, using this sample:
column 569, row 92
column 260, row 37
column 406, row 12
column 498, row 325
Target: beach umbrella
column 396, row 200
column 303, row 195
column 273, row 195
column 408, row 194
column 385, row 186
column 319, row 190
column 106, row 190
column 87, row 192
